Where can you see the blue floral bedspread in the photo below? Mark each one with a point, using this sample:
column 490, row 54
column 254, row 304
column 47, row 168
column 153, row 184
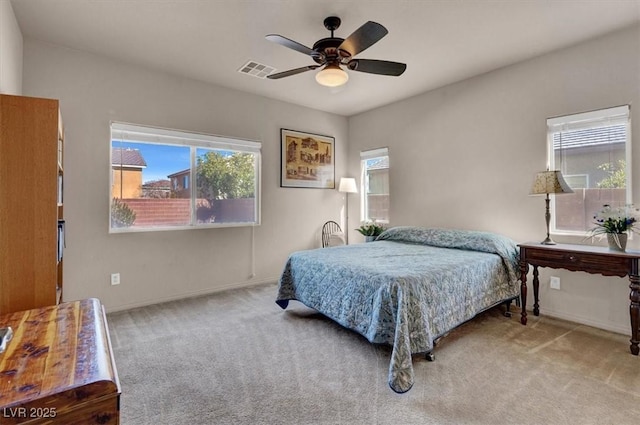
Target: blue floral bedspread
column 407, row 288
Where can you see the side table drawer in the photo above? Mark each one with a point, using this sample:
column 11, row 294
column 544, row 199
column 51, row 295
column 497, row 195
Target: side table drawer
column 609, row 265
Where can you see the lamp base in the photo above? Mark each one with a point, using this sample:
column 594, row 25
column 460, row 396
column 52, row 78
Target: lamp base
column 547, row 218
column 548, row 241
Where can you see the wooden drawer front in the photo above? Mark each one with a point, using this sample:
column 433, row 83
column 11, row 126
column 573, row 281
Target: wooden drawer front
column 609, row 265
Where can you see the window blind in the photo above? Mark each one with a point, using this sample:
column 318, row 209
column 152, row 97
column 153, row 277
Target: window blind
column 138, row 133
column 618, row 115
column 374, row 153
column 589, row 129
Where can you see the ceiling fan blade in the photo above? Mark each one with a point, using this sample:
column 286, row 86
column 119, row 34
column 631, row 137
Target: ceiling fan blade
column 373, row 66
column 363, row 38
column 284, row 41
column 290, row 72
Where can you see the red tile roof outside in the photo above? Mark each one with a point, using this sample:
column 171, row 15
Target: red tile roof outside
column 127, row 157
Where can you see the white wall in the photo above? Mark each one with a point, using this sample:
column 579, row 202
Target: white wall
column 157, row 266
column 465, row 155
column 10, row 51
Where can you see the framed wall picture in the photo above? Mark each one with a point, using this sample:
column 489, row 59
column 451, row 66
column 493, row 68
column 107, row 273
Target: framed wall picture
column 307, row 160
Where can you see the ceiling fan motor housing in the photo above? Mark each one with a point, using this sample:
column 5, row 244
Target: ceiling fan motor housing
column 327, row 49
column 334, row 51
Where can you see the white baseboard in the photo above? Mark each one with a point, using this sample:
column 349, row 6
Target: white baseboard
column 587, row 321
column 192, row 294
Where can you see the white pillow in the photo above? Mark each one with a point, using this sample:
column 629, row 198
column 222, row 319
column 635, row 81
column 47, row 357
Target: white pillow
column 336, row 239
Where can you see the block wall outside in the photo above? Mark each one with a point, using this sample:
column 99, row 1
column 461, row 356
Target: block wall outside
column 575, row 211
column 177, row 211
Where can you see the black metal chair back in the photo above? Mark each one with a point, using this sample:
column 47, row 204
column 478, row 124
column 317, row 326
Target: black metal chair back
column 329, row 228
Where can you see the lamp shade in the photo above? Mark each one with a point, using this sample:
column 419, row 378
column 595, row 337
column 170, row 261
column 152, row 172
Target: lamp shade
column 348, row 185
column 332, row 76
column 550, row 182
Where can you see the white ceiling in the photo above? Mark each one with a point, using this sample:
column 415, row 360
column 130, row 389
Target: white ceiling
column 209, row 40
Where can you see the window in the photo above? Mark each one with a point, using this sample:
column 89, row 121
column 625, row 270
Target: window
column 375, row 185
column 592, row 150
column 166, row 179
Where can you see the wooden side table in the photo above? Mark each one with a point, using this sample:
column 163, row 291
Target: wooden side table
column 59, row 368
column 586, row 258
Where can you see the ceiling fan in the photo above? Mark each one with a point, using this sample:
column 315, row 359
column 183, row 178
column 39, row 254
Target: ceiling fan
column 334, row 52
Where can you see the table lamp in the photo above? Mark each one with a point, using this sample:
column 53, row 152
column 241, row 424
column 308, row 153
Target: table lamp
column 547, row 182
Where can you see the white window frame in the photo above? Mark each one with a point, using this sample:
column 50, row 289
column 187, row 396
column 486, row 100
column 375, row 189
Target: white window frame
column 610, row 116
column 163, row 136
column 364, row 184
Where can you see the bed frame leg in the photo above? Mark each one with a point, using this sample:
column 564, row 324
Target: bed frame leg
column 430, row 356
column 507, row 311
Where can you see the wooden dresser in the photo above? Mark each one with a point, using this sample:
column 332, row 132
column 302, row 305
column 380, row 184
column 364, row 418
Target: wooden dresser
column 59, row 367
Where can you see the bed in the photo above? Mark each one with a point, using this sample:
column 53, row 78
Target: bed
column 406, row 289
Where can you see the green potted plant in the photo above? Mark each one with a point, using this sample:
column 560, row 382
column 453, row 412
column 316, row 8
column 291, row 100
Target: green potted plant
column 615, row 224
column 370, row 230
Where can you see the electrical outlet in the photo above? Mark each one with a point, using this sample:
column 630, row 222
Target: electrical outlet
column 115, row 278
column 554, row 282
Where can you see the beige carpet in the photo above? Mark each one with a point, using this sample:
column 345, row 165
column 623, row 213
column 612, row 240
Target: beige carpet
column 237, row 358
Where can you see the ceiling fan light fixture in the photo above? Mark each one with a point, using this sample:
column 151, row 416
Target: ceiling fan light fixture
column 332, row 76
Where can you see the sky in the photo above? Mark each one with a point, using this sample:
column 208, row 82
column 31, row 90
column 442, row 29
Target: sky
column 162, row 160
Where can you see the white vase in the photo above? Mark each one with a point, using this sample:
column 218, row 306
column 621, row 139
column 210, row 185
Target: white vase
column 369, row 238
column 617, row 242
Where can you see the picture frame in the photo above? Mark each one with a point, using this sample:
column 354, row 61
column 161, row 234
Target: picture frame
column 307, row 160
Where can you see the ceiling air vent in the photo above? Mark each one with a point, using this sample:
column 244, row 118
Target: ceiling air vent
column 256, row 69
